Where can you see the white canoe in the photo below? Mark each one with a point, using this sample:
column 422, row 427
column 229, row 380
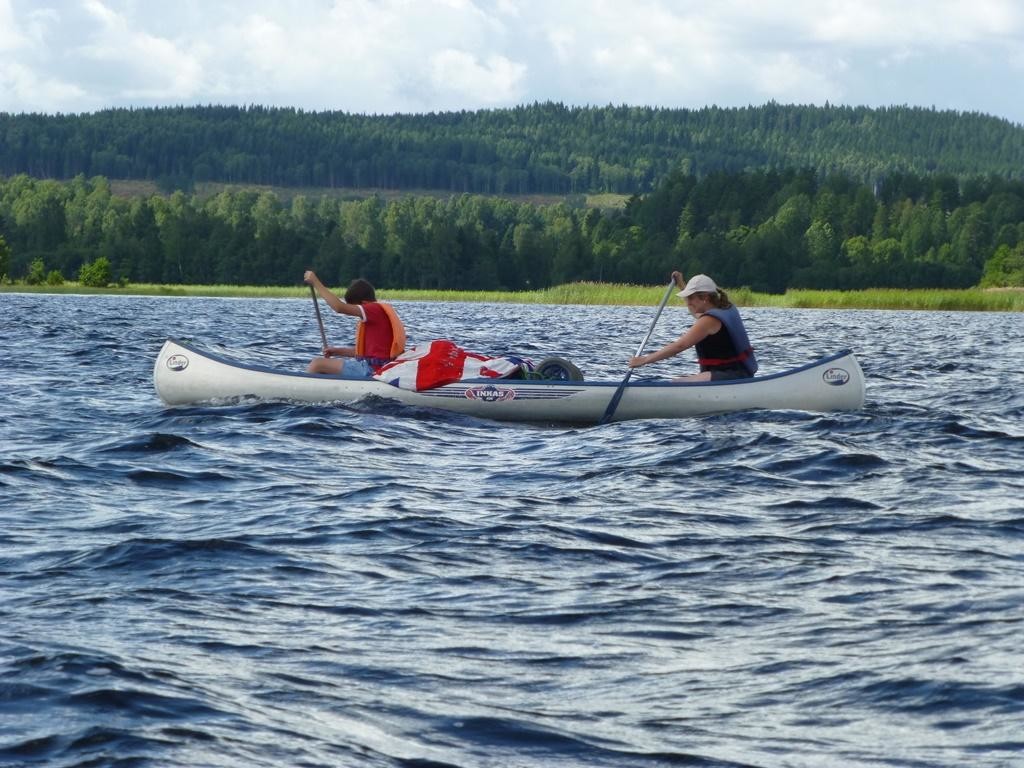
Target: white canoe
column 185, row 375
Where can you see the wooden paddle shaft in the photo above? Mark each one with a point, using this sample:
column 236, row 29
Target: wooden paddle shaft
column 319, row 318
column 614, row 402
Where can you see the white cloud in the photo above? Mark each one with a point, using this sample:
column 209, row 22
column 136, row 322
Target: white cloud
column 149, row 67
column 24, row 31
column 508, row 7
column 20, row 85
column 24, row 87
column 426, row 55
column 563, row 42
column 10, row 35
column 923, row 24
column 496, row 81
column 798, row 81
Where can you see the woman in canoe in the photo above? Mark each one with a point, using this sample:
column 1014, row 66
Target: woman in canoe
column 723, row 349
column 380, row 336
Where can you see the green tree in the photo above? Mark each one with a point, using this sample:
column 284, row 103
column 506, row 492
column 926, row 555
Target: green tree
column 569, row 262
column 5, row 259
column 768, row 260
column 95, row 273
column 887, row 253
column 858, row 253
column 1005, row 268
column 794, row 217
column 971, row 233
column 39, row 215
column 531, row 254
column 859, row 214
column 36, row 272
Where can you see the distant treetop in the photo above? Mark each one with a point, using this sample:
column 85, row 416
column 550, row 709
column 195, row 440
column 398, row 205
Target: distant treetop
column 541, row 148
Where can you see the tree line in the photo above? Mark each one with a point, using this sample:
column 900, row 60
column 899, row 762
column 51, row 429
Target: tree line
column 543, row 148
column 767, row 230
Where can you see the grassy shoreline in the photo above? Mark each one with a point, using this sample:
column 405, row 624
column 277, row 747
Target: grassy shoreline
column 968, row 299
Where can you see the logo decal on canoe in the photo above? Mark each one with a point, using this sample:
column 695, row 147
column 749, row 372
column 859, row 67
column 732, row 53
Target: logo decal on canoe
column 490, row 393
column 177, row 362
column 835, row 376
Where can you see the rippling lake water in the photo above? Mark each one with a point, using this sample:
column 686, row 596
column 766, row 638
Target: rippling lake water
column 373, row 585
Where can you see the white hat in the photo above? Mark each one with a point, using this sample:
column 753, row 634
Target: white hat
column 698, row 284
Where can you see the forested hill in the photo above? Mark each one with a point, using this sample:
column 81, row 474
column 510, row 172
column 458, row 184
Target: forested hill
column 538, row 149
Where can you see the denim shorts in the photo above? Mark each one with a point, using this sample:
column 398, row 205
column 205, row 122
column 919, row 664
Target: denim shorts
column 356, row 368
column 726, row 374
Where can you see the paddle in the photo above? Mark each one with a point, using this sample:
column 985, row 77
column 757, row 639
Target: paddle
column 610, row 410
column 319, row 319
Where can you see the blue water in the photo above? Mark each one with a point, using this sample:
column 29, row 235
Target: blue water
column 373, row 585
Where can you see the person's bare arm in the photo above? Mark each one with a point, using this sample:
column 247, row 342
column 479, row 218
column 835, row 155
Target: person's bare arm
column 333, row 301
column 700, row 330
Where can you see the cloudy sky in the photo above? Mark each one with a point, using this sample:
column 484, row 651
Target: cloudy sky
column 384, row 56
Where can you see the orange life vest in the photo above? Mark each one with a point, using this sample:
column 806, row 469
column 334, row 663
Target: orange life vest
column 397, row 332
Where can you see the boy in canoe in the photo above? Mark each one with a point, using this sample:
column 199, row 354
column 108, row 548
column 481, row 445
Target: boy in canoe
column 380, row 335
column 723, row 349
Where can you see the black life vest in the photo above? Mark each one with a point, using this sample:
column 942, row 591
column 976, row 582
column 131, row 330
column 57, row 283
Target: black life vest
column 729, row 347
